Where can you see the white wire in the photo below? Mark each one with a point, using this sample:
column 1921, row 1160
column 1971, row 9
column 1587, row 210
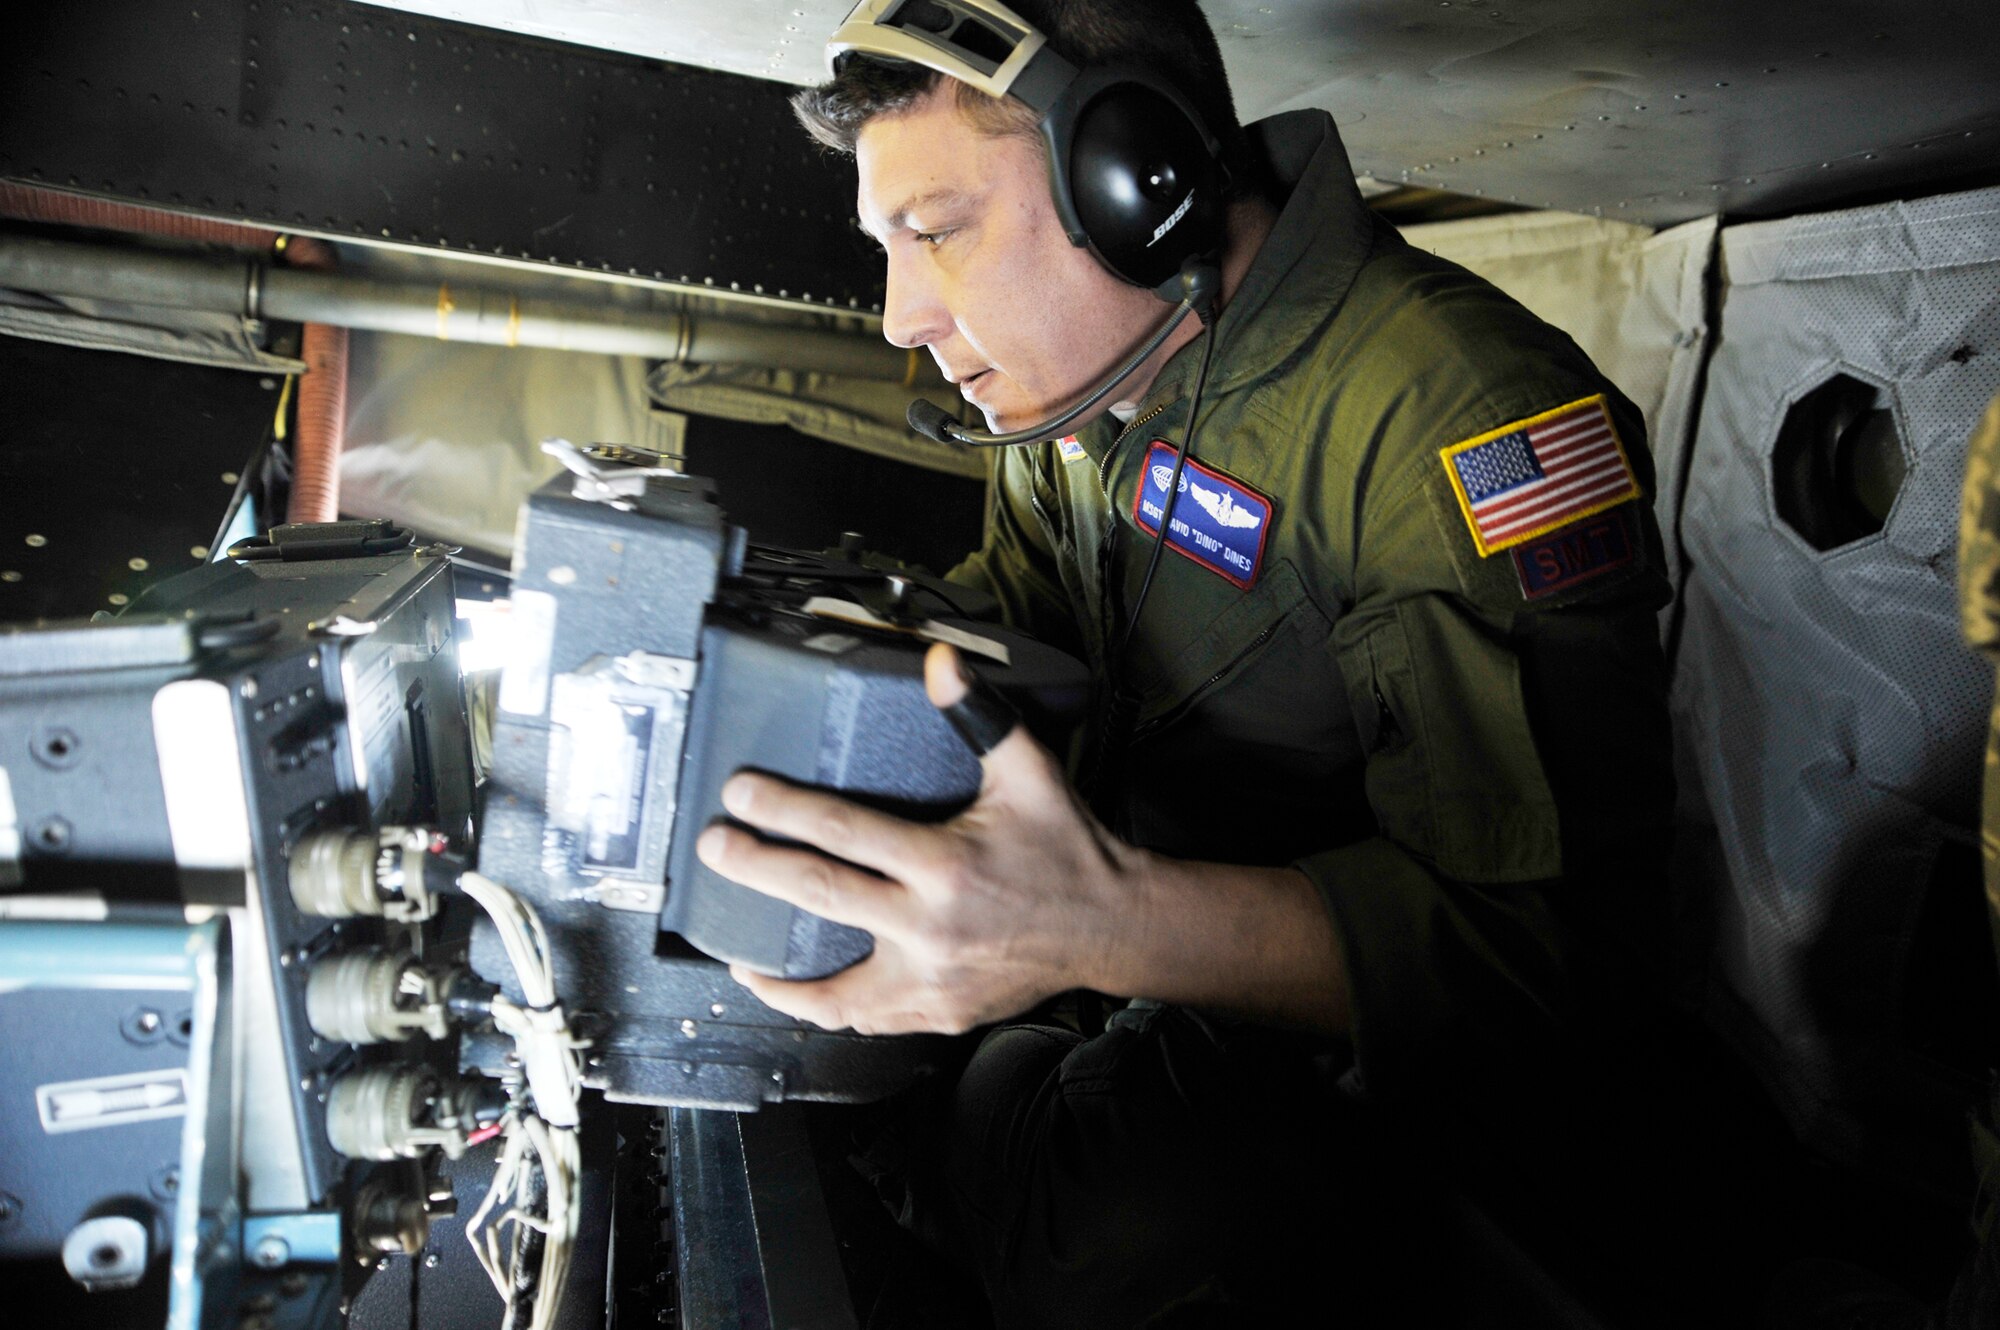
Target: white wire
column 560, row 1165
column 506, row 1181
column 544, row 951
column 553, row 1070
column 521, row 934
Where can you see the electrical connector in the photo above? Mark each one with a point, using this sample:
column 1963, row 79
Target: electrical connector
column 376, row 996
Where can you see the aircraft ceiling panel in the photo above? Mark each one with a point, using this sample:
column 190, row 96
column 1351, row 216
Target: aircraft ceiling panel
column 1653, row 113
column 773, row 39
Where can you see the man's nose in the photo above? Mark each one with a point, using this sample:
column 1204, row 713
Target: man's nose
column 912, row 313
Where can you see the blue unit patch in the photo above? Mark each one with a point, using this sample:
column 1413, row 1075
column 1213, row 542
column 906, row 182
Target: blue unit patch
column 1576, row 553
column 1219, row 522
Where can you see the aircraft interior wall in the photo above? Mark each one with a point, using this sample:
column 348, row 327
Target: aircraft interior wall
column 1810, row 435
column 1824, row 698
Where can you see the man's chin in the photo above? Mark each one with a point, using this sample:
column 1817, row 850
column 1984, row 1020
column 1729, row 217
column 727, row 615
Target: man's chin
column 1005, row 420
column 1009, row 412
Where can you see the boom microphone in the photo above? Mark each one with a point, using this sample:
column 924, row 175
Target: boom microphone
column 1199, row 284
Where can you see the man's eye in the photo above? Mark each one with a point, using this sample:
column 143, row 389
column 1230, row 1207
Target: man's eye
column 931, row 238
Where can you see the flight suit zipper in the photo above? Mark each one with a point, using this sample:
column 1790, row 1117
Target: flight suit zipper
column 1110, row 705
column 1107, row 544
column 1181, row 707
column 1104, row 464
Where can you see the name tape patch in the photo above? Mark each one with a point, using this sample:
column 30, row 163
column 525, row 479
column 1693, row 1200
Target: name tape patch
column 1071, row 450
column 1527, row 479
column 1218, row 522
column 1577, row 553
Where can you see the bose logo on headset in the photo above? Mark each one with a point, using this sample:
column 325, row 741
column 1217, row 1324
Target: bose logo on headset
column 1168, row 225
column 1129, row 157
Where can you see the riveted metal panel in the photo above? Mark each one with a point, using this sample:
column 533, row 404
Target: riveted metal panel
column 115, row 471
column 350, row 120
column 1648, row 113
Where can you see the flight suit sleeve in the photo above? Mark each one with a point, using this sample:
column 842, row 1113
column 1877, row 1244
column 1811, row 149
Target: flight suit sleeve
column 1016, row 564
column 1518, row 769
column 1979, row 604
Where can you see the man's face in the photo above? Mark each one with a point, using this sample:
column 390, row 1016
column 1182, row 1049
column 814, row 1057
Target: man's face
column 980, row 270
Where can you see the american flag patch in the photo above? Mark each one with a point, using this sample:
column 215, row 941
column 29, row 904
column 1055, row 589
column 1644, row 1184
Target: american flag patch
column 1528, row 478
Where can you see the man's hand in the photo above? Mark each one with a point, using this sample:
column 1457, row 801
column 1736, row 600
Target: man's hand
column 1022, row 896
column 1016, row 899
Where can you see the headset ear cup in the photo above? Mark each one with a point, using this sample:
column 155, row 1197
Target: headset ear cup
column 1146, row 185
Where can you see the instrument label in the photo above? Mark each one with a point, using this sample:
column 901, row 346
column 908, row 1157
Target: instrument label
column 112, row 1101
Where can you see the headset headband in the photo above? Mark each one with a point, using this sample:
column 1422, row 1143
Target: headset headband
column 978, row 42
column 1131, row 165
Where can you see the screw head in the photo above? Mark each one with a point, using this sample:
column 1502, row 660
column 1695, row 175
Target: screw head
column 271, row 1252
column 57, row 747
column 52, row 835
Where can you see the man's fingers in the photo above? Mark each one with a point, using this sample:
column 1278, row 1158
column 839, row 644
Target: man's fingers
column 944, row 675
column 840, row 1002
column 987, row 722
column 801, row 1001
column 842, row 828
column 811, row 881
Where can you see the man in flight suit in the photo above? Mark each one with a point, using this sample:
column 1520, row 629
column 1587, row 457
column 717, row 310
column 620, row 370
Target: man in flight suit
column 1387, row 813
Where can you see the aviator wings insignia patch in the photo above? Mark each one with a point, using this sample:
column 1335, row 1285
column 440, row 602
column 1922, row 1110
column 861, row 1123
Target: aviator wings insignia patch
column 1223, row 529
column 1527, row 479
column 1224, row 509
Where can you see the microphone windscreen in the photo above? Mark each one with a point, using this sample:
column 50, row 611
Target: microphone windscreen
column 929, row 419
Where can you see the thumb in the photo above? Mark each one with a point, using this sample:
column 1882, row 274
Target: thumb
column 987, row 722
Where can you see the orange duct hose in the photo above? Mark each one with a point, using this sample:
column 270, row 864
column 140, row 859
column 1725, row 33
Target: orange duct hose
column 29, row 204
column 323, row 391
column 322, row 403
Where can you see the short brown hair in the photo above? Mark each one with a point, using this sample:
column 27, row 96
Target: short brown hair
column 1169, row 39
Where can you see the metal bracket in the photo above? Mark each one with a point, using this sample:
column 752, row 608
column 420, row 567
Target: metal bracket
column 271, row 1242
column 651, row 671
column 207, row 1217
column 341, row 626
column 640, row 897
column 604, row 476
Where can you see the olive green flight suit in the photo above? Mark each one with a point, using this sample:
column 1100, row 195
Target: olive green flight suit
column 1477, row 781
column 1979, row 603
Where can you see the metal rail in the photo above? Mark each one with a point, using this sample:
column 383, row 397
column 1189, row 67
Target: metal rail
column 485, row 315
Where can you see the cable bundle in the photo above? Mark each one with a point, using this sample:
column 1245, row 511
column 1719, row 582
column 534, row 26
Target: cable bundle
column 537, row 1179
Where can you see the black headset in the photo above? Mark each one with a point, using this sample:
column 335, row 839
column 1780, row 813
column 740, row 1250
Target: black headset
column 1137, row 178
